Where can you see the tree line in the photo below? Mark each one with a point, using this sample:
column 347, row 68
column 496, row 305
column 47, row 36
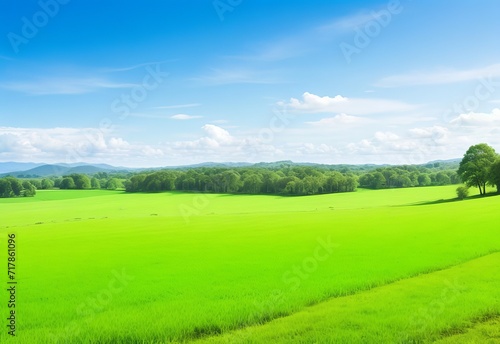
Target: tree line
column 13, row 187
column 407, row 176
column 248, row 180
column 287, row 179
column 101, row 180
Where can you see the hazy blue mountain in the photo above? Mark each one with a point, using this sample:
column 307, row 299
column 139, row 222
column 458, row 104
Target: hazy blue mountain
column 17, row 166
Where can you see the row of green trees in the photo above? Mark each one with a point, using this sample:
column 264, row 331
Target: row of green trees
column 13, row 187
column 249, row 180
column 406, row 176
column 288, row 179
column 480, row 167
column 82, row 181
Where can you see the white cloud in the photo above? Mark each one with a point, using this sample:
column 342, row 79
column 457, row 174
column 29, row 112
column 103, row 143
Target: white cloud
column 445, row 76
column 478, row 119
column 215, row 137
column 437, row 133
column 149, row 151
column 218, row 134
column 387, row 147
column 64, row 145
column 118, row 144
column 311, row 148
column 375, row 143
column 312, row 103
column 183, row 117
column 218, row 144
column 386, row 136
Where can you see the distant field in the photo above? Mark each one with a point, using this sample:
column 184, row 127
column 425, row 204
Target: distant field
column 363, row 267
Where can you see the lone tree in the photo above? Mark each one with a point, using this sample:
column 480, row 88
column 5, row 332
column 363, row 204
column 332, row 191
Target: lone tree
column 474, row 169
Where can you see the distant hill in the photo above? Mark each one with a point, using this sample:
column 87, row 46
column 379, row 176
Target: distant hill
column 34, row 170
column 63, row 169
column 6, row 167
column 86, row 170
column 41, row 171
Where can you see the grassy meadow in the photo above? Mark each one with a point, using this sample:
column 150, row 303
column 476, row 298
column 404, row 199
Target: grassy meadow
column 373, row 266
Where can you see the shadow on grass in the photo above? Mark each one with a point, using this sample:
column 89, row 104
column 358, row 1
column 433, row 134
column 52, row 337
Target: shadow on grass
column 456, row 199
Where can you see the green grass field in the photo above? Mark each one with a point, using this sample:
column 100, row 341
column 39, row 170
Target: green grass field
column 386, row 266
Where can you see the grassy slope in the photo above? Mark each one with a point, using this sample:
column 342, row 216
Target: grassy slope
column 223, row 267
column 418, row 310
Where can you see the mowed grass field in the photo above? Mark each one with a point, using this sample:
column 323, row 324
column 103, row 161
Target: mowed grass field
column 385, row 266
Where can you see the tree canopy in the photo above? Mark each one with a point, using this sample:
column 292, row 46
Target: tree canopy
column 12, row 187
column 297, row 180
column 475, row 166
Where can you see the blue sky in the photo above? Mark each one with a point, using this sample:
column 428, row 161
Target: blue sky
column 158, row 83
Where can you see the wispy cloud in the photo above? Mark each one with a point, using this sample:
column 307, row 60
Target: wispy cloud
column 62, row 86
column 125, row 69
column 348, row 23
column 184, row 117
column 159, row 116
column 440, row 77
column 306, row 40
column 279, row 49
